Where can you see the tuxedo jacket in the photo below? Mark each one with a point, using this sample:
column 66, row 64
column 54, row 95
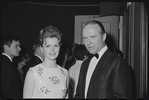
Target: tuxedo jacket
column 11, row 84
column 111, row 79
column 33, row 61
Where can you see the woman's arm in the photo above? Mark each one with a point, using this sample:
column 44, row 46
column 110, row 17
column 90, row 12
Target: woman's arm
column 67, row 85
column 28, row 85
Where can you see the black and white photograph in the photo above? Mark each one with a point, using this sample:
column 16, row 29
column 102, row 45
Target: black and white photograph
column 74, row 50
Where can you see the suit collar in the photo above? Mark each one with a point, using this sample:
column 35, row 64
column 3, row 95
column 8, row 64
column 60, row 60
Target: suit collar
column 102, row 51
column 97, row 70
column 39, row 58
column 83, row 73
column 7, row 56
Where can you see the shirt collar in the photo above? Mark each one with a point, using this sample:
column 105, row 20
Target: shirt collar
column 7, row 56
column 39, row 57
column 101, row 52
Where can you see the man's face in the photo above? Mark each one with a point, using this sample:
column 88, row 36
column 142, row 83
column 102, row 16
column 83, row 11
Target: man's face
column 14, row 49
column 93, row 38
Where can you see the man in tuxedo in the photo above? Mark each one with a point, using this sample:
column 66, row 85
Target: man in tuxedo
column 11, row 84
column 37, row 58
column 103, row 75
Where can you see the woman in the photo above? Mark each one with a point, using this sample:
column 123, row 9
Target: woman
column 47, row 79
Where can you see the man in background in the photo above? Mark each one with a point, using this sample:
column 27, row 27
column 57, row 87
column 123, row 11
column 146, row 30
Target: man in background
column 11, row 84
column 37, row 58
column 80, row 53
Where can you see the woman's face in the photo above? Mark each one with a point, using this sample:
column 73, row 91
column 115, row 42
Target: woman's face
column 51, row 48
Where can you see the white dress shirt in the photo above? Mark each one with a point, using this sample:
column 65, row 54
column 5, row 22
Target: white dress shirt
column 92, row 66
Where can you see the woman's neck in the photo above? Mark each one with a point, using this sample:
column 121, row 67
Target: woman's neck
column 49, row 63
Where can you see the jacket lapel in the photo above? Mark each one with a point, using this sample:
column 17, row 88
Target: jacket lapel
column 96, row 72
column 82, row 76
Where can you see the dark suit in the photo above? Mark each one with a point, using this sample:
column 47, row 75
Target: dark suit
column 111, row 79
column 33, row 61
column 11, row 84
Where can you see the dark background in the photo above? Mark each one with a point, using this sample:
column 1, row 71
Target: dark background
column 26, row 19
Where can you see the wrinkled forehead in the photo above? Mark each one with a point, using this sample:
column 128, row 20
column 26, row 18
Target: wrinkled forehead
column 91, row 29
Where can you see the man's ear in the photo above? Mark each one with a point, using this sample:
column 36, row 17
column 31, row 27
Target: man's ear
column 41, row 48
column 6, row 47
column 104, row 36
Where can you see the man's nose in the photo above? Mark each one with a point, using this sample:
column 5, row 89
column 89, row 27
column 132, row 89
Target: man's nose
column 88, row 41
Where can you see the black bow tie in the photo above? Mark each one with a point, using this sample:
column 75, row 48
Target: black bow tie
column 92, row 55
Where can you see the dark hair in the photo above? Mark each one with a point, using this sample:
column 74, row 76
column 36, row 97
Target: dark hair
column 80, row 52
column 66, row 56
column 23, row 54
column 7, row 40
column 49, row 31
column 93, row 22
column 63, row 55
column 35, row 46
